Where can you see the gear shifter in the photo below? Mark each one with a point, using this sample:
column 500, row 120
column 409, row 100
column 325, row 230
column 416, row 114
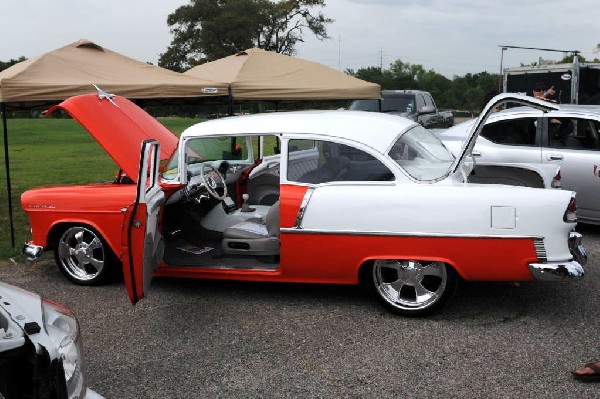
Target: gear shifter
column 245, row 206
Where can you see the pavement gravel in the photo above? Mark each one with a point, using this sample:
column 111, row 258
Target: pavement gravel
column 219, row 339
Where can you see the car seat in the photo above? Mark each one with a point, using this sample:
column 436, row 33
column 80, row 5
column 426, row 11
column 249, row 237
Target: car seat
column 255, row 236
column 334, row 169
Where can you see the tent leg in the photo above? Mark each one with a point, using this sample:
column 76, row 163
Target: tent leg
column 230, row 110
column 8, row 186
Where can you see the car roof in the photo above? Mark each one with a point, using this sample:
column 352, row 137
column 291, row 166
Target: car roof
column 574, row 109
column 391, row 93
column 566, row 110
column 373, row 129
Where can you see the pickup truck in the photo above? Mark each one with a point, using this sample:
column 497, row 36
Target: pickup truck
column 413, row 104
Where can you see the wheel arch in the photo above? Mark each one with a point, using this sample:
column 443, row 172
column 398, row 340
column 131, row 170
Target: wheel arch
column 367, row 264
column 58, row 228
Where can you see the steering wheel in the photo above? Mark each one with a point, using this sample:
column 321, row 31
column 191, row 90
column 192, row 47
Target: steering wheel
column 213, row 179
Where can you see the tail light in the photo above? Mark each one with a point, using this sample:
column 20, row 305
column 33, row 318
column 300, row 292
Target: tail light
column 556, row 181
column 571, row 212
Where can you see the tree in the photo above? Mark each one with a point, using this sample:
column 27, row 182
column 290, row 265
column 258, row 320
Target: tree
column 206, row 30
column 462, row 92
column 7, row 64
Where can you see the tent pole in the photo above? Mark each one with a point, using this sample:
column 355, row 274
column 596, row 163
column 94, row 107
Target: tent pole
column 8, row 187
column 230, row 103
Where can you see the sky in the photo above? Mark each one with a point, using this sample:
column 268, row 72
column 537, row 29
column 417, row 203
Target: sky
column 452, row 37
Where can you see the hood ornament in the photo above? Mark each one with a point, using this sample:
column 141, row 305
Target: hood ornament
column 102, row 95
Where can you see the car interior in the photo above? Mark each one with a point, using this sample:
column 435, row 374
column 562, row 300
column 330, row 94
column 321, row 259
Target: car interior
column 228, row 214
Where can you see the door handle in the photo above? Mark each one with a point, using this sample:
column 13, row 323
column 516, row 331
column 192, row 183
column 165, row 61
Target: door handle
column 555, row 157
column 476, row 154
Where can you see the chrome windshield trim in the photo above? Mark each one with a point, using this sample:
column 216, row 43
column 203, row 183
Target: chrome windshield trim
column 302, row 210
column 301, row 230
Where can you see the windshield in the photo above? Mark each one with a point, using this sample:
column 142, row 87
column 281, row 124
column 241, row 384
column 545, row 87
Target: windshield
column 210, row 149
column 400, row 103
column 421, row 154
column 365, row 105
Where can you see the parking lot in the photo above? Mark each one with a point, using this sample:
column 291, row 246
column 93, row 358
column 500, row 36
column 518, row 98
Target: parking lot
column 253, row 340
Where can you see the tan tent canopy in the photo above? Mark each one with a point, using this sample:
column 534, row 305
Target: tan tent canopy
column 256, row 74
column 71, row 70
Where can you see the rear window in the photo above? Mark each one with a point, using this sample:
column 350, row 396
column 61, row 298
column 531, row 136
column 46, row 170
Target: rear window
column 421, row 154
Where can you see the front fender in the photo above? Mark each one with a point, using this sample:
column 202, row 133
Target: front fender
column 100, row 207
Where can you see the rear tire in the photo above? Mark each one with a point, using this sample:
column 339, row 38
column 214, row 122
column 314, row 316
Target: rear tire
column 411, row 287
column 83, row 256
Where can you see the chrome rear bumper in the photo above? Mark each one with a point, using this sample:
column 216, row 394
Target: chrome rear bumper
column 560, row 271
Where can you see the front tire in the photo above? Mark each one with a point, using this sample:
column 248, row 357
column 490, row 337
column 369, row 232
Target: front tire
column 83, row 256
column 412, row 287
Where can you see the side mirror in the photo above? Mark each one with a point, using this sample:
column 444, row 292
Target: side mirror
column 427, row 109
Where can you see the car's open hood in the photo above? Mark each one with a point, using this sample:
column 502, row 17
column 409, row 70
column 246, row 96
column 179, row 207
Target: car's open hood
column 119, row 126
column 498, row 100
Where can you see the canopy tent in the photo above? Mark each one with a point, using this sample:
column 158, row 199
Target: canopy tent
column 257, row 74
column 71, row 70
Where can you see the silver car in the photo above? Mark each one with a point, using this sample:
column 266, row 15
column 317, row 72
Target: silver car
column 568, row 137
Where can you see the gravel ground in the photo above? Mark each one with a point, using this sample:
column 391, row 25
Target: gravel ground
column 197, row 339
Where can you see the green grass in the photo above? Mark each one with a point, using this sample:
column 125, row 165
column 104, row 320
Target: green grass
column 49, row 152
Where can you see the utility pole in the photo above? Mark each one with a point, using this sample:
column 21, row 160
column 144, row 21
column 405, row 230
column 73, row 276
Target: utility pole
column 339, row 52
column 500, row 88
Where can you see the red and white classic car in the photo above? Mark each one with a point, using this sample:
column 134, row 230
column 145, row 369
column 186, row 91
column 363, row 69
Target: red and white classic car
column 336, row 197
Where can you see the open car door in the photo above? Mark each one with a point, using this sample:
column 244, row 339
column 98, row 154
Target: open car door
column 143, row 245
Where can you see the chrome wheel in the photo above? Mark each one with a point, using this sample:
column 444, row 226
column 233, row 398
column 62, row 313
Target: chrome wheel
column 81, row 255
column 413, row 287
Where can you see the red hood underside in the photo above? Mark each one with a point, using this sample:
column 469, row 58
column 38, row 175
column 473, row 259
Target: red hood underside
column 120, row 127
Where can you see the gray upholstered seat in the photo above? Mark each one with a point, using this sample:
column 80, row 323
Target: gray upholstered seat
column 255, row 236
column 334, row 169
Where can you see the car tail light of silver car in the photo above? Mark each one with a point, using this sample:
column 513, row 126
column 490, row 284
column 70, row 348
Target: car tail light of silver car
column 63, row 328
column 571, row 212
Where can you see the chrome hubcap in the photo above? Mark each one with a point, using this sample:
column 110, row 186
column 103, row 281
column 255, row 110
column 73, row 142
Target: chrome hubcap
column 81, row 253
column 410, row 284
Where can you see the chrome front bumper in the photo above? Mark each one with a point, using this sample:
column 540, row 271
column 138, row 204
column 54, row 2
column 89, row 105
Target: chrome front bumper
column 560, row 271
column 32, row 252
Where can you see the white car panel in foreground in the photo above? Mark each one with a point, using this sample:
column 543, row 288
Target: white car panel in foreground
column 41, row 354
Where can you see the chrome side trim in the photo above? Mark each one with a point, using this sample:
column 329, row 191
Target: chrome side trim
column 540, row 249
column 302, row 210
column 294, row 230
column 556, row 271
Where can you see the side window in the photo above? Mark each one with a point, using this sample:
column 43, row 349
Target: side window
column 429, row 100
column 265, row 146
column 420, row 101
column 573, row 133
column 325, row 161
column 512, row 132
